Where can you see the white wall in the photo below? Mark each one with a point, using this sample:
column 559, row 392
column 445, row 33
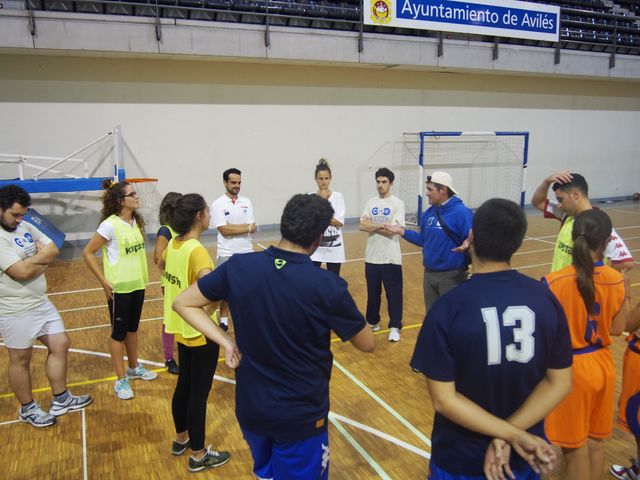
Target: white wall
column 186, row 121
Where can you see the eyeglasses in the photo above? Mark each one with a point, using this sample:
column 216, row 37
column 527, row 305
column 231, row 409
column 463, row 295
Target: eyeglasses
column 132, row 194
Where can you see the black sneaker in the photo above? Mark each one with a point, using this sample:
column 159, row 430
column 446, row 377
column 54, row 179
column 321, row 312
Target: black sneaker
column 172, row 366
column 178, row 448
column 210, row 459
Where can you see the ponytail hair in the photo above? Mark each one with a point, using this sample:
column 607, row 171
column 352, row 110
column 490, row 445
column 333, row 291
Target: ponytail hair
column 322, row 166
column 112, row 199
column 591, row 233
column 187, row 208
column 167, row 207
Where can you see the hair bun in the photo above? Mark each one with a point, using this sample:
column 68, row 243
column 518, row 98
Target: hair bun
column 323, row 162
column 107, row 183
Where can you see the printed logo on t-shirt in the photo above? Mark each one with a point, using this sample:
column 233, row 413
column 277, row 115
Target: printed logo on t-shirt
column 374, row 211
column 279, row 263
column 18, row 242
column 386, row 211
column 28, row 237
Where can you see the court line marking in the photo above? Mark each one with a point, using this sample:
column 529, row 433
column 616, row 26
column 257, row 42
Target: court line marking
column 382, row 403
column 9, row 422
column 88, row 290
column 363, row 453
column 85, row 469
column 104, row 305
column 381, row 434
column 625, row 211
column 104, row 379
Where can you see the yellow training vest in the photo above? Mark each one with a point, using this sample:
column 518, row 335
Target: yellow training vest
column 129, row 273
column 563, row 251
column 173, row 235
column 176, row 275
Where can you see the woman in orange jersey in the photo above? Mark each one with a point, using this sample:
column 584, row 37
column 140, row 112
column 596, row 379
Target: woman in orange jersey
column 629, row 401
column 594, row 299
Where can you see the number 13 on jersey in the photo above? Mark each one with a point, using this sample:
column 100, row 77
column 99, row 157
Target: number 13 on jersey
column 523, row 321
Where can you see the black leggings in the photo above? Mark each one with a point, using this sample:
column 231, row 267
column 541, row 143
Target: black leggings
column 332, row 267
column 189, row 405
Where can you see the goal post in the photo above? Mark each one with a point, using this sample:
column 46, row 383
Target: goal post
column 483, row 165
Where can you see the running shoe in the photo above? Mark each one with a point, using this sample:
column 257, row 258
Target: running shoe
column 394, row 335
column 178, row 448
column 625, row 473
column 34, row 415
column 210, row 459
column 141, row 372
column 172, row 366
column 72, row 402
column 123, row 389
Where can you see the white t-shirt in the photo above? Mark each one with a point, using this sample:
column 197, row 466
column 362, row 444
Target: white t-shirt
column 224, row 211
column 331, row 247
column 19, row 297
column 381, row 249
column 108, row 232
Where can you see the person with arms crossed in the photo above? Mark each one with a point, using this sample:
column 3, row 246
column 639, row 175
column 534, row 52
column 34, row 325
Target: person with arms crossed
column 593, row 296
column 284, row 309
column 383, row 258
column 444, row 227
column 163, row 237
column 124, row 277
column 184, row 261
column 331, row 249
column 497, row 357
column 572, row 195
column 232, row 216
column 27, row 315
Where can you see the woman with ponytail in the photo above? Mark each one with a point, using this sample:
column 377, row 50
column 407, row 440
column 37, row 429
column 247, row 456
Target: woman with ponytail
column 184, row 261
column 593, row 296
column 163, row 237
column 123, row 276
column 331, row 248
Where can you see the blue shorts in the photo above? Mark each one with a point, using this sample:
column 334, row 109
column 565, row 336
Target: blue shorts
column 436, row 473
column 304, row 460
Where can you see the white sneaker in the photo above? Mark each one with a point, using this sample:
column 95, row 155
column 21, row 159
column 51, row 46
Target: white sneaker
column 375, row 327
column 123, row 389
column 394, row 335
column 141, row 372
column 36, row 416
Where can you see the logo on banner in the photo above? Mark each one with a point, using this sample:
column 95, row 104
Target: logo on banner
column 381, row 11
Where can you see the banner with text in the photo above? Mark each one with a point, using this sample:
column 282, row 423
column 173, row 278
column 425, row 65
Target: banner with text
column 503, row 18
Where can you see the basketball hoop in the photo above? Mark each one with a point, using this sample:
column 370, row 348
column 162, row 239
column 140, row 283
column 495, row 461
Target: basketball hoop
column 146, row 189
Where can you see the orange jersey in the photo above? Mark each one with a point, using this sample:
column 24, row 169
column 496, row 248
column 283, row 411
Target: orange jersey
column 589, row 330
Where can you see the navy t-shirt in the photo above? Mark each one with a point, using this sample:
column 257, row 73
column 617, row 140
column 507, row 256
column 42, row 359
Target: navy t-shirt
column 283, row 309
column 495, row 336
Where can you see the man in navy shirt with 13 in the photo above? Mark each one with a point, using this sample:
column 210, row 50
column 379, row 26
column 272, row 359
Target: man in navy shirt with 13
column 497, row 356
column 284, row 309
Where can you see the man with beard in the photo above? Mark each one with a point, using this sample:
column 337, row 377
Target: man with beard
column 26, row 314
column 232, row 215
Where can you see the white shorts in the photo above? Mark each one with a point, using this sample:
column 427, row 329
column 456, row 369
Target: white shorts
column 21, row 330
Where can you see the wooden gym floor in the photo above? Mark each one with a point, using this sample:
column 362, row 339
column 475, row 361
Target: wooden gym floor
column 381, row 414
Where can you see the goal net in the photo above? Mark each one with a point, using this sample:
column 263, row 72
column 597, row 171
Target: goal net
column 483, row 165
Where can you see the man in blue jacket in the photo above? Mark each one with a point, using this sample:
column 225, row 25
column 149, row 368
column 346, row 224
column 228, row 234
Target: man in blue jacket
column 443, row 227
